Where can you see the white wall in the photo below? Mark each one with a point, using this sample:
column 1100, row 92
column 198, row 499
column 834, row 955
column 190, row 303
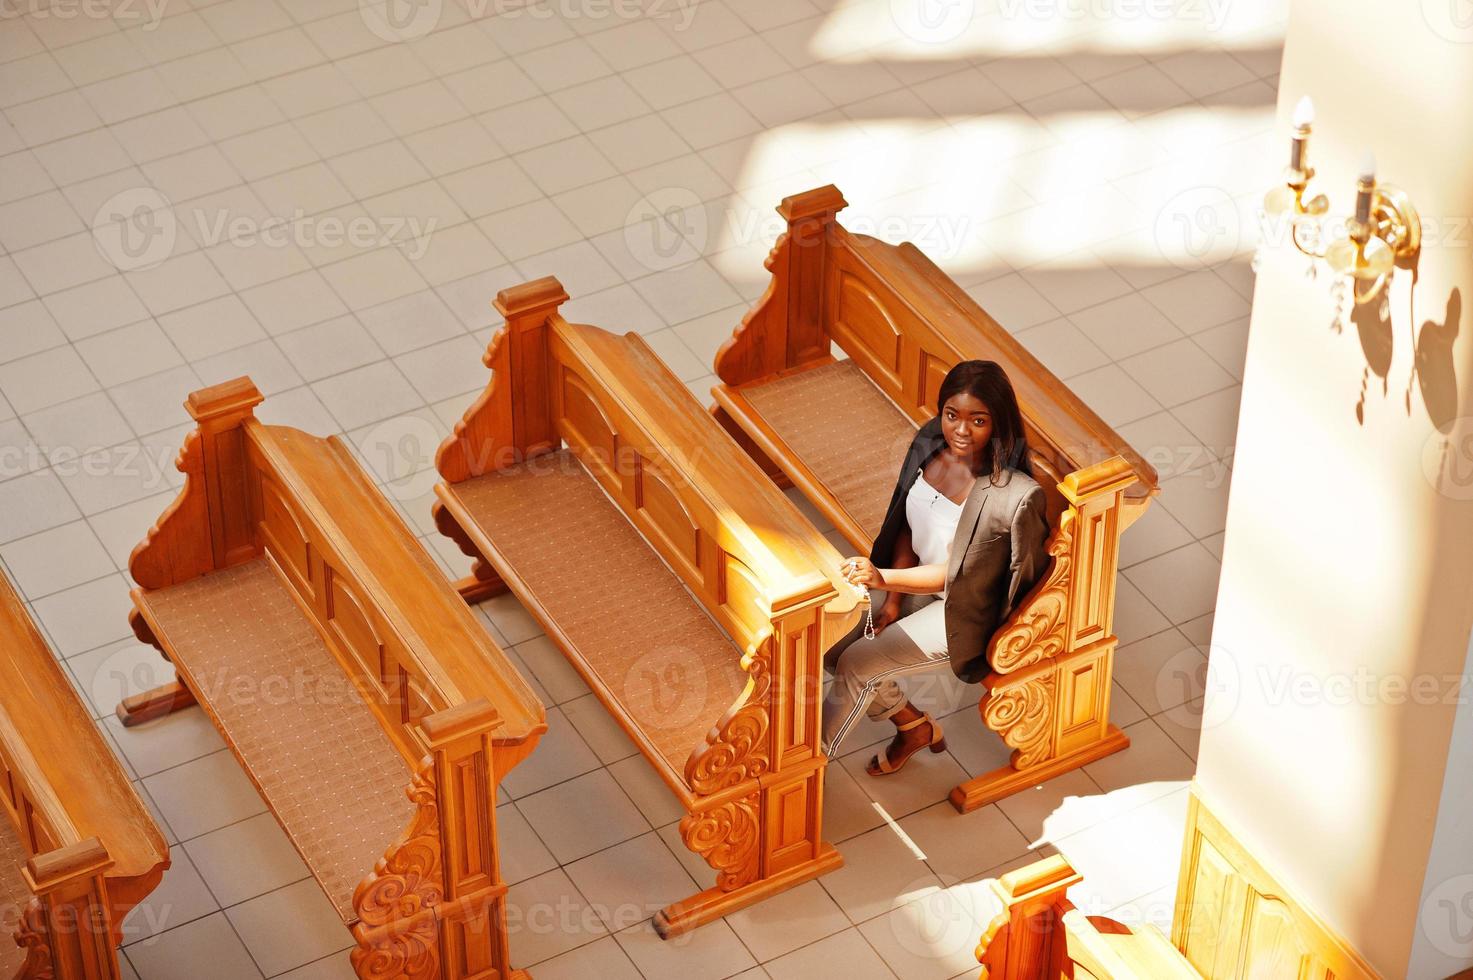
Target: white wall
column 1347, row 557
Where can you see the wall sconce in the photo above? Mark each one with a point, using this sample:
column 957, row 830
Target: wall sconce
column 1385, row 226
column 1289, row 199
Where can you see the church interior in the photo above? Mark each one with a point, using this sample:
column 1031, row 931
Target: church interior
column 447, row 448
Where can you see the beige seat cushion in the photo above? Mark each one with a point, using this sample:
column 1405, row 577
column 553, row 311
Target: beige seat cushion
column 314, row 749
column 844, row 429
column 636, row 632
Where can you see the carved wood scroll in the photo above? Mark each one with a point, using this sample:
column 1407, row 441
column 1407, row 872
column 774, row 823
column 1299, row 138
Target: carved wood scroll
column 397, row 929
column 728, row 837
column 737, row 749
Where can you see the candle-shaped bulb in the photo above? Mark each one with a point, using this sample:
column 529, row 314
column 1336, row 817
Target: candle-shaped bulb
column 1364, row 190
column 1304, row 113
column 1303, row 118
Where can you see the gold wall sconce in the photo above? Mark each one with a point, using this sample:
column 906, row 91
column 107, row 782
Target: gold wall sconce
column 1384, row 228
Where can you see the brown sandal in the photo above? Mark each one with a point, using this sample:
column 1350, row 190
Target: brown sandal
column 881, row 765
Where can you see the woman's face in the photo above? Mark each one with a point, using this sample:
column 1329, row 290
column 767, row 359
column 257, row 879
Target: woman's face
column 967, row 425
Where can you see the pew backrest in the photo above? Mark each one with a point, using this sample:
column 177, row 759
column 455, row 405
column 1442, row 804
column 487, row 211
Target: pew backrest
column 906, row 323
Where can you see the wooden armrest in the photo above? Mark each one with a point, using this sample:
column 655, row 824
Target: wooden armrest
column 58, row 758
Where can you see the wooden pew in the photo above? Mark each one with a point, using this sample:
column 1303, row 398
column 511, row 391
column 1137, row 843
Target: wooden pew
column 79, row 849
column 1040, row 935
column 903, row 324
column 372, row 711
column 606, row 541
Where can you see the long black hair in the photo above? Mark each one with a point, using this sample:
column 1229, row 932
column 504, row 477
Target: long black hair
column 988, row 382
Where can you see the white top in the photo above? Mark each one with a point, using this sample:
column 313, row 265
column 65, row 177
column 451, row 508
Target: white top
column 932, row 517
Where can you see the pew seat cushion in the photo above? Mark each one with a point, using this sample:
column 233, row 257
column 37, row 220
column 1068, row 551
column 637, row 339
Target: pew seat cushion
column 640, row 639
column 314, row 749
column 842, row 427
column 14, row 897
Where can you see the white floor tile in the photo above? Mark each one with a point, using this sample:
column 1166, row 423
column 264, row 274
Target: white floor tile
column 602, row 958
column 788, row 921
column 562, row 754
column 1181, row 583
column 628, row 883
column 547, row 916
column 180, row 898
column 289, row 927
column 559, row 815
column 708, row 953
column 246, row 859
column 205, row 947
column 204, row 795
column 56, row 559
column 882, row 870
column 934, row 938
column 846, row 954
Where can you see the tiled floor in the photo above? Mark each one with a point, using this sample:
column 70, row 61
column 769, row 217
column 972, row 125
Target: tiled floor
column 190, row 191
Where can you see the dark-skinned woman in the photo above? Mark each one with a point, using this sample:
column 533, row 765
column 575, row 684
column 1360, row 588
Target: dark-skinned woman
column 963, row 539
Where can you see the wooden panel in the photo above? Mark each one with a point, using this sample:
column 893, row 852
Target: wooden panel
column 943, row 319
column 741, row 594
column 1079, row 696
column 285, row 538
column 1273, row 947
column 792, row 810
column 408, row 618
column 1211, row 891
column 470, row 783
column 866, row 329
column 588, row 429
column 1234, row 921
column 794, row 727
column 933, row 369
column 1094, row 578
column 348, row 617
column 668, row 520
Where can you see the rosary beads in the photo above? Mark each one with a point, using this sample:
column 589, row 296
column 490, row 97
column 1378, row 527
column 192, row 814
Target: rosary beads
column 869, row 612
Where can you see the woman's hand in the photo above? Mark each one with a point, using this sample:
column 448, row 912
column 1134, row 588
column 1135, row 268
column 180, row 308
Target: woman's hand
column 861, row 571
column 889, row 612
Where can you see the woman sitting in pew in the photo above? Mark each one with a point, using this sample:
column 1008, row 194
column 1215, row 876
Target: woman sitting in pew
column 965, row 526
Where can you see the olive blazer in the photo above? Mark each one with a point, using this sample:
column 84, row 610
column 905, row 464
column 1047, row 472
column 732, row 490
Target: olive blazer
column 997, row 555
